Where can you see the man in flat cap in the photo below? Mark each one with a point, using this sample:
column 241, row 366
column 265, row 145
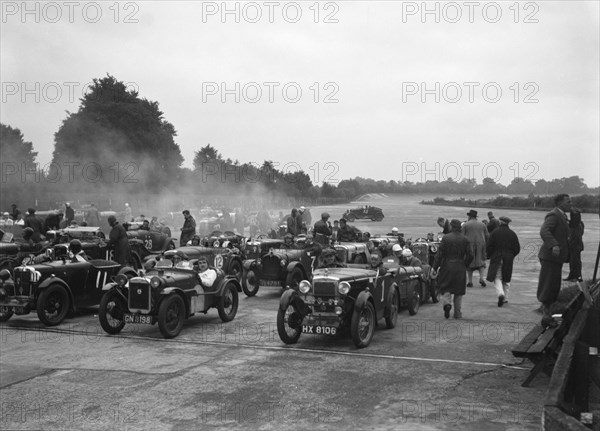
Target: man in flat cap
column 553, row 253
column 502, row 248
column 117, row 239
column 188, row 230
column 493, row 222
column 477, row 234
column 322, row 229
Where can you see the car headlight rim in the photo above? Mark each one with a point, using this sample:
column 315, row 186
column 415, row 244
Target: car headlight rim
column 121, row 280
column 304, row 287
column 155, row 282
column 344, row 288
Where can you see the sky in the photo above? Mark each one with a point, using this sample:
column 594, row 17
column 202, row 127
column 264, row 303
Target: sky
column 389, row 90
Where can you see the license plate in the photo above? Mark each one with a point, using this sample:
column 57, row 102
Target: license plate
column 320, row 330
column 270, row 283
column 138, row 318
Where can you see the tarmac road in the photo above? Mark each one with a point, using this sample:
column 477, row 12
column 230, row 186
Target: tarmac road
column 427, row 373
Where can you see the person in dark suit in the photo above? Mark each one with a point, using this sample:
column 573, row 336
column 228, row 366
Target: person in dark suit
column 34, row 223
column 553, row 253
column 576, row 228
column 188, row 230
column 502, row 248
column 117, row 238
column 452, row 259
column 69, row 213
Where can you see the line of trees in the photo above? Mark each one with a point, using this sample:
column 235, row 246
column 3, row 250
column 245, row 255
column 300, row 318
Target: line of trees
column 119, row 143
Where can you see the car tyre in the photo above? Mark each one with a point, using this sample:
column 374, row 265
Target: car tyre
column 53, row 305
column 171, row 314
column 378, row 217
column 5, row 313
column 391, row 319
column 289, row 321
column 235, row 269
column 228, row 303
column 110, row 313
column 363, row 325
column 413, row 304
column 249, row 283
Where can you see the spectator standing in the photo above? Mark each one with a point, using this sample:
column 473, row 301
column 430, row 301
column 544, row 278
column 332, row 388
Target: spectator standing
column 444, row 223
column 92, row 217
column 477, row 234
column 576, row 228
column 451, row 261
column 35, row 224
column 15, row 213
column 188, row 230
column 292, row 223
column 128, row 213
column 492, row 223
column 322, row 227
column 553, row 253
column 117, row 239
column 502, row 248
column 347, row 233
column 69, row 213
column 53, row 221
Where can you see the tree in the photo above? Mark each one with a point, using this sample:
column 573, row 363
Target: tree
column 115, row 129
column 18, row 165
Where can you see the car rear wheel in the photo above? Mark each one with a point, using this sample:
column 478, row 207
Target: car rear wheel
column 53, row 305
column 413, row 304
column 289, row 323
column 363, row 325
column 249, row 283
column 378, row 217
column 235, row 269
column 171, row 314
column 5, row 313
column 228, row 303
column 110, row 313
column 392, row 317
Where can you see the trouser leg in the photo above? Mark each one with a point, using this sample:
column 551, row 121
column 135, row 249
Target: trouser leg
column 469, row 276
column 498, row 284
column 458, row 306
column 506, row 287
column 446, row 299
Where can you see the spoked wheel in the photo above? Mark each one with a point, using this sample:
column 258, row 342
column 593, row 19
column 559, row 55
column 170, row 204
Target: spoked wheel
column 228, row 303
column 390, row 320
column 235, row 269
column 249, row 283
column 414, row 302
column 53, row 305
column 289, row 323
column 5, row 313
column 110, row 314
column 378, row 217
column 171, row 314
column 363, row 325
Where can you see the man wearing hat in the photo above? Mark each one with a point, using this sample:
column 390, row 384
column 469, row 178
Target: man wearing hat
column 117, row 239
column 347, row 233
column 188, row 230
column 15, row 213
column 306, row 216
column 69, row 213
column 502, row 247
column 34, row 223
column 477, row 234
column 493, row 223
column 322, row 229
column 451, row 261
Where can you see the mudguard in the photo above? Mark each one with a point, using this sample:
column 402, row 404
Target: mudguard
column 362, row 299
column 248, row 264
column 288, row 296
column 292, row 265
column 224, row 282
column 118, row 290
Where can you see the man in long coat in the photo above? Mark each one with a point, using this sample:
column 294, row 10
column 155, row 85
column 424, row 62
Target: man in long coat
column 69, row 213
column 117, row 239
column 477, row 234
column 34, row 223
column 188, row 230
column 502, row 248
column 553, row 253
column 451, row 261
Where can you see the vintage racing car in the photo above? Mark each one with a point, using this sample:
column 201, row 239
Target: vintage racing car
column 55, row 288
column 279, row 267
column 167, row 294
column 144, row 243
column 352, row 252
column 364, row 212
column 335, row 300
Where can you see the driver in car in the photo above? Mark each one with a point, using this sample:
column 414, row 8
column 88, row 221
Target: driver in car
column 206, row 275
column 76, row 251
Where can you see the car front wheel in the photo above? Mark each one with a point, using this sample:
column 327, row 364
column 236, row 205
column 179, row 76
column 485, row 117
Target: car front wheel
column 228, row 303
column 414, row 302
column 171, row 314
column 363, row 325
column 53, row 305
column 5, row 314
column 390, row 320
column 110, row 313
column 289, row 323
column 249, row 283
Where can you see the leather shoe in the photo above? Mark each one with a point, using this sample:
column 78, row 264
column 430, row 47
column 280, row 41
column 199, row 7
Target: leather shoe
column 500, row 300
column 469, row 284
column 482, row 283
column 457, row 315
column 447, row 309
